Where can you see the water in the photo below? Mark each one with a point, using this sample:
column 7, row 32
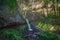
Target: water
column 29, row 27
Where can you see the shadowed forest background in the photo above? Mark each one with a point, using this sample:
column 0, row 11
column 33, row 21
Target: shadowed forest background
column 44, row 14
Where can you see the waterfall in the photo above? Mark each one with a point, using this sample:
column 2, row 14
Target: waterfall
column 29, row 27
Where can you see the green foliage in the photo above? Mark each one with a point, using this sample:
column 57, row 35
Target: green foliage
column 50, row 22
column 52, row 0
column 45, row 2
column 48, row 36
column 58, row 5
column 58, row 19
column 45, row 26
column 11, row 35
column 21, row 30
column 1, row 2
column 46, row 23
column 11, row 3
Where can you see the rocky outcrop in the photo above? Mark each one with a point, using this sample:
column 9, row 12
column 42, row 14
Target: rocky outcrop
column 10, row 16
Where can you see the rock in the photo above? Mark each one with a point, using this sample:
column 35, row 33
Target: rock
column 11, row 16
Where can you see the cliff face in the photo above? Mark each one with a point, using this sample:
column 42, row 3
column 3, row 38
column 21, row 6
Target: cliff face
column 10, row 15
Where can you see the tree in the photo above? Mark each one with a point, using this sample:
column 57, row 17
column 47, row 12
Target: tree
column 46, row 6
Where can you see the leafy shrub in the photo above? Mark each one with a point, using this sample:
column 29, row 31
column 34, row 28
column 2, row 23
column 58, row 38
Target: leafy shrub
column 11, row 3
column 47, row 36
column 20, row 30
column 50, row 22
column 11, row 35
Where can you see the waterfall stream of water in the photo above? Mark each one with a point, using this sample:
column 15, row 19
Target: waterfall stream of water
column 29, row 27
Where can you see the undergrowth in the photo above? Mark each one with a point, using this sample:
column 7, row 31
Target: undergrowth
column 48, row 36
column 12, row 35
